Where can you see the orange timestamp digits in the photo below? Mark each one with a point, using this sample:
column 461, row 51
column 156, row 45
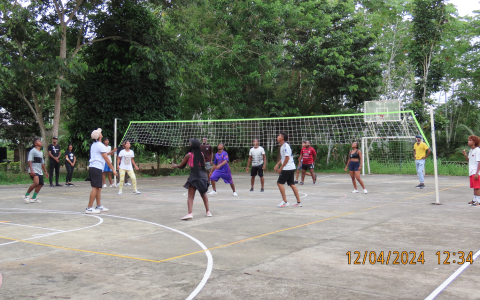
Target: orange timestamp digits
column 460, row 259
column 383, row 257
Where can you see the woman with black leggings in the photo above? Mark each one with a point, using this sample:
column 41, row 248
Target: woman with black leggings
column 70, row 161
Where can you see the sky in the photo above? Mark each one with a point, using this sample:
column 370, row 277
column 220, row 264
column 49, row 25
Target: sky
column 465, row 7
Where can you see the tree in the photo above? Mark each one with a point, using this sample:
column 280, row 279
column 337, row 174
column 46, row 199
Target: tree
column 126, row 80
column 39, row 50
column 429, row 17
column 17, row 126
column 269, row 58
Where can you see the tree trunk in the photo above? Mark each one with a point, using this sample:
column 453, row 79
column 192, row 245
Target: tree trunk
column 58, row 89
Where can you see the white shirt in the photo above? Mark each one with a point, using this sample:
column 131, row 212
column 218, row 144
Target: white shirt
column 109, row 148
column 96, row 158
column 285, row 151
column 257, row 156
column 126, row 163
column 473, row 159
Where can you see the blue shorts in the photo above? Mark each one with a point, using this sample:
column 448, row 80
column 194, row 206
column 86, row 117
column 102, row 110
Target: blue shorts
column 354, row 165
column 227, row 177
column 107, row 168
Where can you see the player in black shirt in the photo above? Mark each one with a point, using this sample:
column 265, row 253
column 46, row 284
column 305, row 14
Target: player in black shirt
column 54, row 158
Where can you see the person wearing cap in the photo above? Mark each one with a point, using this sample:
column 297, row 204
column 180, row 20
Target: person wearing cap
column 98, row 158
column 54, row 159
column 419, row 149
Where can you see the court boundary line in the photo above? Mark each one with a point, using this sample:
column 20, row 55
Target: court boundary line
column 450, row 279
column 192, row 295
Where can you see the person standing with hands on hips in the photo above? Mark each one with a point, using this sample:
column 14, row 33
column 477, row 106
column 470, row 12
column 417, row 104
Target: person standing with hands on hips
column 54, row 155
column 473, row 159
column 419, row 149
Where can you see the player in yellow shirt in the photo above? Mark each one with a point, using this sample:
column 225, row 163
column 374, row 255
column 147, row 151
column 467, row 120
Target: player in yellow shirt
column 419, row 149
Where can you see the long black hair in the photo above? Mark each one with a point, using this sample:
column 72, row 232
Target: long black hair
column 198, row 159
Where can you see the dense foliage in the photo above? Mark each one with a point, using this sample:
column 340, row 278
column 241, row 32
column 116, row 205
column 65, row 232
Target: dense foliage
column 187, row 59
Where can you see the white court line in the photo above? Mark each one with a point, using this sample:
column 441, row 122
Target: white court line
column 205, row 277
column 32, row 226
column 452, row 277
column 47, row 234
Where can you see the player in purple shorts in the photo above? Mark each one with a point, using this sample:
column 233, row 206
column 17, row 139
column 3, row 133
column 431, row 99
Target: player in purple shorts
column 221, row 169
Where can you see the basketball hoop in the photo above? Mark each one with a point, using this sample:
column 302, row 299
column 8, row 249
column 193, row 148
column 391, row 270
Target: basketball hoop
column 380, row 119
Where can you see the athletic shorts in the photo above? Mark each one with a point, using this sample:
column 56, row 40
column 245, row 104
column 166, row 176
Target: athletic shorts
column 257, row 170
column 96, row 179
column 307, row 166
column 287, row 176
column 354, row 165
column 227, row 177
column 474, row 184
column 40, row 178
column 208, row 166
column 107, row 168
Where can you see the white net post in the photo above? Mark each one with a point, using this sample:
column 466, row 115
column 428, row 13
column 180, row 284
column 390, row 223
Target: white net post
column 434, row 150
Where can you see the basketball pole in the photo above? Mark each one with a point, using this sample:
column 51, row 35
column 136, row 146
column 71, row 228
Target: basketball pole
column 434, row 147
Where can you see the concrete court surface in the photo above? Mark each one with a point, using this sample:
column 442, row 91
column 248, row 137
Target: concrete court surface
column 141, row 249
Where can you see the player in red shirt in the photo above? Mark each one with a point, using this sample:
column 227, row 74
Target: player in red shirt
column 308, row 156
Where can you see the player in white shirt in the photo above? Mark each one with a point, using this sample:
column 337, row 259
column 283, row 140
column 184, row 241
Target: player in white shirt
column 258, row 160
column 286, row 170
column 126, row 164
column 98, row 159
column 473, row 158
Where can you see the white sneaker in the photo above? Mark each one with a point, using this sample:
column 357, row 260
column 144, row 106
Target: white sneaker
column 104, row 185
column 365, row 191
column 282, row 204
column 354, row 191
column 34, row 200
column 119, row 193
column 136, row 192
column 26, row 199
column 112, row 185
column 92, row 210
column 213, row 193
column 101, row 208
column 187, row 217
column 209, row 214
column 128, row 183
column 235, row 194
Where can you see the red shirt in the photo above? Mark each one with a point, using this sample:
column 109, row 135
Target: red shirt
column 307, row 155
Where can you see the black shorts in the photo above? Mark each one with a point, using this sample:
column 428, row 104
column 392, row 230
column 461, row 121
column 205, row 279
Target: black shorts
column 307, row 166
column 40, row 178
column 96, row 179
column 354, row 166
column 287, row 176
column 257, row 170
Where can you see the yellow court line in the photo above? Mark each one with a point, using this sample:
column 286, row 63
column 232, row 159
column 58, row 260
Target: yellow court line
column 4, row 221
column 229, row 244
column 79, row 250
